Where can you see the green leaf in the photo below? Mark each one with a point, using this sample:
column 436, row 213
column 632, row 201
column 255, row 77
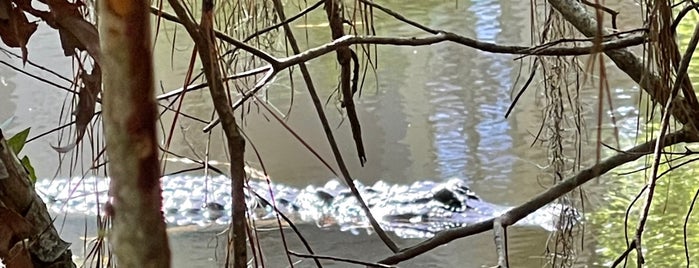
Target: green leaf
column 18, row 140
column 30, row 169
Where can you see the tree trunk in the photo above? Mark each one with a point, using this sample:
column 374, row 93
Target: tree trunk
column 138, row 232
column 27, row 235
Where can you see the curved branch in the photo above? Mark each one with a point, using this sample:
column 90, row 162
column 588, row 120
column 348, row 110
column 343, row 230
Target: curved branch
column 348, row 40
column 451, row 37
column 682, row 13
column 439, row 37
column 517, row 213
column 178, row 91
column 575, row 13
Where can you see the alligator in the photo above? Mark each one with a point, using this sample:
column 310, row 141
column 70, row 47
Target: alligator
column 410, row 211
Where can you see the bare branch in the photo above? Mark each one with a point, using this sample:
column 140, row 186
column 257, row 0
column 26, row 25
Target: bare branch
column 178, row 91
column 203, row 36
column 577, row 15
column 517, row 213
column 348, row 40
column 333, row 10
column 599, row 6
column 684, row 226
column 680, row 15
column 328, row 131
column 338, row 259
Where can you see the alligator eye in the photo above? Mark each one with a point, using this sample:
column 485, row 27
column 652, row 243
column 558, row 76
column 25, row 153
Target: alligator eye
column 171, row 210
column 473, row 196
column 213, row 210
column 214, row 206
column 447, row 198
column 325, row 196
column 283, row 202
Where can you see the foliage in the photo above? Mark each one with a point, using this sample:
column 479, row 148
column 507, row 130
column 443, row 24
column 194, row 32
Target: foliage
column 17, row 143
column 77, row 35
column 15, row 29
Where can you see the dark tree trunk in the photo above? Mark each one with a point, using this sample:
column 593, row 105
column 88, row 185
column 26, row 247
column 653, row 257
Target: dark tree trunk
column 27, row 235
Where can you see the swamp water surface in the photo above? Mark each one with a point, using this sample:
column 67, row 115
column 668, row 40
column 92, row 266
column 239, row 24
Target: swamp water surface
column 434, row 113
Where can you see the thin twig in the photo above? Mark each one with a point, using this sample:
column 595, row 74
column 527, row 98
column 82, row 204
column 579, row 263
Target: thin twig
column 338, row 259
column 247, row 95
column 293, row 227
column 684, row 226
column 38, row 78
column 176, row 92
column 298, row 138
column 524, row 88
column 625, row 254
column 682, row 13
column 40, row 67
column 280, row 24
column 400, row 17
column 610, row 11
column 220, row 35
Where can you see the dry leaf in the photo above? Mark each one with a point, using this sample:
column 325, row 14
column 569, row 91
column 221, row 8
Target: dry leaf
column 87, row 98
column 16, row 30
column 13, row 228
column 64, row 149
column 75, row 32
column 19, row 257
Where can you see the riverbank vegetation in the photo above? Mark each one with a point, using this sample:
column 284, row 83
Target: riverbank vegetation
column 241, row 47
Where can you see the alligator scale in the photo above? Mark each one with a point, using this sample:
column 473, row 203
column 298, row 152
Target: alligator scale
column 416, row 210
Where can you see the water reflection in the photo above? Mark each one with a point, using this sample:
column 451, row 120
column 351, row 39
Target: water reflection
column 7, row 88
column 469, row 95
column 663, row 238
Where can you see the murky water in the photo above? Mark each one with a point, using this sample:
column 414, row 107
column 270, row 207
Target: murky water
column 433, row 113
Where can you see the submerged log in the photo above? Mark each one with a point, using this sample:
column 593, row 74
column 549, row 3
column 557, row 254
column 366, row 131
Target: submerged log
column 27, row 235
